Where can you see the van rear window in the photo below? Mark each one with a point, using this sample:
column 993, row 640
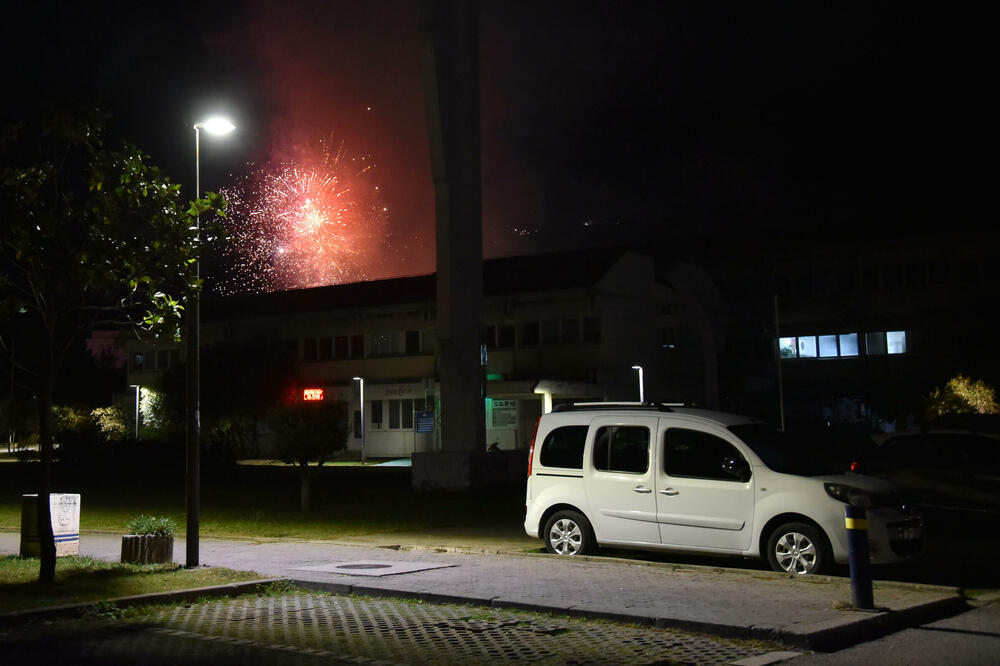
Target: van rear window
column 563, row 447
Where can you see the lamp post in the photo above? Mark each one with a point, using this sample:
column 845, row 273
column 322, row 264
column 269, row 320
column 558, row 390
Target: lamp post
column 361, row 382
column 213, row 125
column 137, row 395
column 642, row 389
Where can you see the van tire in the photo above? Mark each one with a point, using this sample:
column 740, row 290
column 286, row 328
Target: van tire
column 799, row 548
column 569, row 533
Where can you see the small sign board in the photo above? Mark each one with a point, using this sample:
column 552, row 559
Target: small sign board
column 425, row 422
column 65, row 511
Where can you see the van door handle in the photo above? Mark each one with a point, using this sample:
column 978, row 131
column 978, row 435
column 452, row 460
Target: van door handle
column 642, row 489
column 670, row 491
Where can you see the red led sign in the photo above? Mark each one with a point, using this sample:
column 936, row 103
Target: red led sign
column 312, row 394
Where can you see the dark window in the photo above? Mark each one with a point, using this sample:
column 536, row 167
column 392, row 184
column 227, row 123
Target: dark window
column 309, row 349
column 163, row 359
column 916, row 275
column 490, row 336
column 357, row 346
column 550, row 332
column 138, row 361
column 591, row 329
column 340, row 346
column 326, row 348
column 413, row 342
column 175, row 356
column 668, row 337
column 846, row 280
column 939, row 273
column 622, row 449
column 701, row 455
column 802, row 285
column 357, row 424
column 892, row 277
column 563, row 447
column 782, row 286
column 869, row 279
column 375, row 409
column 505, row 336
column 529, row 334
column 406, row 414
column 571, row 331
column 394, row 414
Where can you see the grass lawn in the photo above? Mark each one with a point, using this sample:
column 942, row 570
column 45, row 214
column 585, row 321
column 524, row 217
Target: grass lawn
column 262, row 501
column 81, row 579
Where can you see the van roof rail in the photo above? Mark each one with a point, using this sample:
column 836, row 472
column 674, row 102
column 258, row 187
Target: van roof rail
column 650, row 406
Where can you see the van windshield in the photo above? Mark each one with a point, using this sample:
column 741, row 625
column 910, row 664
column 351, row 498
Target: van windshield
column 785, row 452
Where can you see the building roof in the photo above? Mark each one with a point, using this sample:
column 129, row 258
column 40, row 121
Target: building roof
column 507, row 275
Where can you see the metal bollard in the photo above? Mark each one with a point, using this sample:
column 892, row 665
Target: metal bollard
column 857, row 546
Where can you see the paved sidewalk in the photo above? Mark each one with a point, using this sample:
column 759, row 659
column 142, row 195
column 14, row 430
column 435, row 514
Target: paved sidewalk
column 810, row 612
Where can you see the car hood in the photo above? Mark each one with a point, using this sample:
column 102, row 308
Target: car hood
column 869, row 484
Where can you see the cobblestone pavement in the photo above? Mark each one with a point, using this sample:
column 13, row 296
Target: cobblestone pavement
column 307, row 628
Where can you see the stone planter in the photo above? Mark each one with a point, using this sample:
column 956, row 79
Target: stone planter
column 147, row 549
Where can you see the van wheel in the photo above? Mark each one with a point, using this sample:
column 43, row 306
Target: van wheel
column 799, row 548
column 568, row 533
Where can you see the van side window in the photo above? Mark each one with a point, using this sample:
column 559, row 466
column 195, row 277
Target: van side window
column 563, row 447
column 622, row 449
column 697, row 454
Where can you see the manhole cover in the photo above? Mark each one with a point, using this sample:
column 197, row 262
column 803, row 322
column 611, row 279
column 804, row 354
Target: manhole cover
column 364, row 566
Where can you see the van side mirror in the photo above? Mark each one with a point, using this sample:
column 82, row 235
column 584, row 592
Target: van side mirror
column 737, row 468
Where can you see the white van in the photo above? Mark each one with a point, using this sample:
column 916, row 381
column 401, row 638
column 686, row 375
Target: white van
column 661, row 477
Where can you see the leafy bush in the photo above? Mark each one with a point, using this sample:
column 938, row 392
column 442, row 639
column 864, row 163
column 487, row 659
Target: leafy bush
column 962, row 395
column 112, row 422
column 144, row 525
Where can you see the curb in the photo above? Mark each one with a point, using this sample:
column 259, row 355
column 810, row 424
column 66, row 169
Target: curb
column 153, row 598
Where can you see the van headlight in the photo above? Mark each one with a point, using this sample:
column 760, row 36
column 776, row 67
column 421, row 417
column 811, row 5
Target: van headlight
column 848, row 494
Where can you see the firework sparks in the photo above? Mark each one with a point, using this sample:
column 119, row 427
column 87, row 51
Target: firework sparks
column 307, row 224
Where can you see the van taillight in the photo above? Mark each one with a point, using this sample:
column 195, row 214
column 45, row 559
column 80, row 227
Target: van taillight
column 531, row 449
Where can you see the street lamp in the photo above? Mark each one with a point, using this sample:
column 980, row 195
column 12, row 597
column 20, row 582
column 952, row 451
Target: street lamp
column 642, row 390
column 137, row 395
column 362, row 386
column 214, row 125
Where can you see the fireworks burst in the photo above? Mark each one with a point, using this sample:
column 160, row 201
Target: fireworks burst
column 307, row 224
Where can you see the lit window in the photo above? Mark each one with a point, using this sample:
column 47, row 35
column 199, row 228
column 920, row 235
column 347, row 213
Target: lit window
column 827, row 346
column 849, row 344
column 787, row 347
column 807, row 346
column 311, row 394
column 896, row 342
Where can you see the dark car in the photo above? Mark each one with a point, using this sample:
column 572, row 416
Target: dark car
column 946, row 469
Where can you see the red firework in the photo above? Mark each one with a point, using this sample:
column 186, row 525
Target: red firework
column 300, row 225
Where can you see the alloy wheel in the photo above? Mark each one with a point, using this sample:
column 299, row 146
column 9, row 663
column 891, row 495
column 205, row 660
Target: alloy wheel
column 566, row 537
column 796, row 553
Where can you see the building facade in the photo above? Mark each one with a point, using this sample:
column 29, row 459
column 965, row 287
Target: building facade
column 556, row 328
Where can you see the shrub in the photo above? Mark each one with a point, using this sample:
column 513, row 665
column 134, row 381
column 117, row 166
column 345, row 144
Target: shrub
column 144, row 525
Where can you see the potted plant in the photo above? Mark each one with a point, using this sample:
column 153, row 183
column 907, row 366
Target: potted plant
column 150, row 540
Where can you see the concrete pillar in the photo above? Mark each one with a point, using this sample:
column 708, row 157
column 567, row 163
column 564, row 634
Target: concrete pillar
column 451, row 89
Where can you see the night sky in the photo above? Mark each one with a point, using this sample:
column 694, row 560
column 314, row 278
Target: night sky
column 602, row 122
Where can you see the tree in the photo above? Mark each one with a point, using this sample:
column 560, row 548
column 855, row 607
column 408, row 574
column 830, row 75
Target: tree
column 308, row 431
column 962, row 395
column 91, row 236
